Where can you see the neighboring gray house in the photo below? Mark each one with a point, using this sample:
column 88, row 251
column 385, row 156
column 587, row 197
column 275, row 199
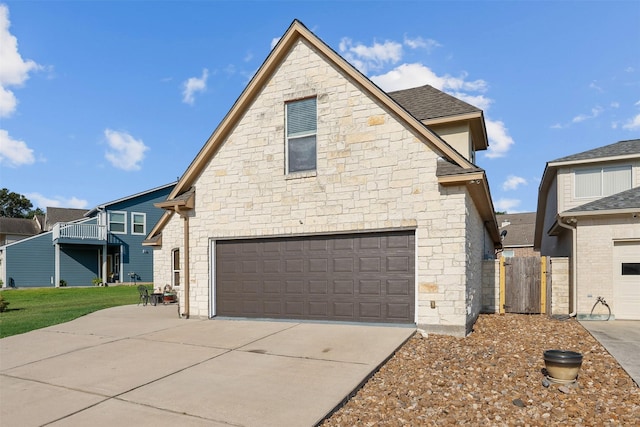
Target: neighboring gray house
column 14, row 229
column 589, row 211
column 319, row 196
column 518, row 231
column 78, row 245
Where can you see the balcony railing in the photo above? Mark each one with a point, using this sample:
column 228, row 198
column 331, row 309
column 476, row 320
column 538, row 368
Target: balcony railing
column 79, row 231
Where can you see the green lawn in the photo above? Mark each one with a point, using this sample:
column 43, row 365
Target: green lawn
column 31, row 309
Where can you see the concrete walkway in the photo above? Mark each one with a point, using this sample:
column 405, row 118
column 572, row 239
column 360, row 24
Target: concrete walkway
column 143, row 366
column 621, row 338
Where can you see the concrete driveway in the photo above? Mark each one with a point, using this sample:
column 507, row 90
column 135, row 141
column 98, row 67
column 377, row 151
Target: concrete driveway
column 621, row 338
column 136, row 365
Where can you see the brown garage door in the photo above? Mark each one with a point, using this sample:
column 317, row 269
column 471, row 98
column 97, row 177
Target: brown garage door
column 357, row 277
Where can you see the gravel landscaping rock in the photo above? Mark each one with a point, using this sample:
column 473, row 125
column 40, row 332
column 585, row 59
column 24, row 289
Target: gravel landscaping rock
column 495, row 377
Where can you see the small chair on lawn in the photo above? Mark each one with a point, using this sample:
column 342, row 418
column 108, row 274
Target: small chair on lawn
column 144, row 295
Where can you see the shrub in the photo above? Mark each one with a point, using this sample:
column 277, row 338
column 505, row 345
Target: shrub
column 3, row 303
column 63, row 283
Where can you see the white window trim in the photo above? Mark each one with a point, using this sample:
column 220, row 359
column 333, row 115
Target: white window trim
column 124, row 214
column 144, row 223
column 303, row 173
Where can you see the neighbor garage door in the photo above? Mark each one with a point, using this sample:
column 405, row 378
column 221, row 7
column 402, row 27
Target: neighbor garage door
column 626, row 280
column 356, row 277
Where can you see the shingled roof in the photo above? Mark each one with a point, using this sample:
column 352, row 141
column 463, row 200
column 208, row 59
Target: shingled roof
column 629, row 199
column 55, row 215
column 427, row 102
column 622, row 148
column 520, row 228
column 19, row 226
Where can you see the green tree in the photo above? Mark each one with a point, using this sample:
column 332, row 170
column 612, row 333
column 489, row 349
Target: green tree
column 14, row 205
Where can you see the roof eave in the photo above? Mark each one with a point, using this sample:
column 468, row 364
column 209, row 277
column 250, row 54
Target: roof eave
column 478, row 187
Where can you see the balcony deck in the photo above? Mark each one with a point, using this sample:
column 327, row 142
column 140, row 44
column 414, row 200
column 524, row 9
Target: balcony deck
column 79, row 233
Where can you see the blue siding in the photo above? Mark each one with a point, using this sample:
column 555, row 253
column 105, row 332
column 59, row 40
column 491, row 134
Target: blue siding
column 136, row 258
column 30, row 262
column 79, row 264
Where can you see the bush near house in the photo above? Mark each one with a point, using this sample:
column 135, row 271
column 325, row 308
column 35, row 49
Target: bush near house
column 41, row 307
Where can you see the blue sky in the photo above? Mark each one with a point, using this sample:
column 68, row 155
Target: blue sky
column 101, row 100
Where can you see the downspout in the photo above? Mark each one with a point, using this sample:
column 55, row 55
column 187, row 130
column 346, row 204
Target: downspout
column 185, row 231
column 574, row 263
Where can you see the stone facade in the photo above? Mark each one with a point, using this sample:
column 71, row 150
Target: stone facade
column 560, row 286
column 372, row 174
column 491, row 286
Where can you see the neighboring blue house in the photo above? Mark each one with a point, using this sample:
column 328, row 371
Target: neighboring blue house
column 105, row 243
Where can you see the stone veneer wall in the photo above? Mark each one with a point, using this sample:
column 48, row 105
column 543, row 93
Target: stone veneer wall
column 372, row 174
column 560, row 286
column 491, row 286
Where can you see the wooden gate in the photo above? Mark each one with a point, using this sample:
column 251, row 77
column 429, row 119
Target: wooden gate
column 522, row 285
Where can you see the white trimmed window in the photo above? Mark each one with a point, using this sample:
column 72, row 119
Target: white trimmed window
column 602, row 182
column 175, row 267
column 118, row 222
column 138, row 223
column 301, row 126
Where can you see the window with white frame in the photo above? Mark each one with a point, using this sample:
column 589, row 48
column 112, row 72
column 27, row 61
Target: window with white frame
column 175, row 267
column 118, row 222
column 602, row 181
column 301, row 127
column 138, row 223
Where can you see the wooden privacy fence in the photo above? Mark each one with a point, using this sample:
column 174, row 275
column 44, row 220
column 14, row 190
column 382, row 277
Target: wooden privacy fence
column 523, row 285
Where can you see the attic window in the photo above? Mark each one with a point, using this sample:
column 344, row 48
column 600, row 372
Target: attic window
column 301, row 125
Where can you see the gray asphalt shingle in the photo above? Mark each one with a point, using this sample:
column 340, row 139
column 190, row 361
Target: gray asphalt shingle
column 621, row 148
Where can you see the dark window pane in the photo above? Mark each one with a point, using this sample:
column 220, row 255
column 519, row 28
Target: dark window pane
column 302, row 154
column 631, row 268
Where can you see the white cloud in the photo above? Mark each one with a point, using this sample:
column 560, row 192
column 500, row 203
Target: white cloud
column 419, row 42
column 125, row 152
column 633, row 123
column 43, row 202
column 14, row 70
column 406, row 76
column 274, row 42
column 372, row 57
column 595, row 112
column 14, row 152
column 500, row 141
column 507, row 205
column 594, row 86
column 194, row 85
column 513, row 182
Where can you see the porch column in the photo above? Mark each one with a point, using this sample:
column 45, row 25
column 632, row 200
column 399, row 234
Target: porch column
column 104, row 263
column 56, row 265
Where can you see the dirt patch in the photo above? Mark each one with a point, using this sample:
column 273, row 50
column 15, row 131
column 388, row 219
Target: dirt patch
column 494, row 377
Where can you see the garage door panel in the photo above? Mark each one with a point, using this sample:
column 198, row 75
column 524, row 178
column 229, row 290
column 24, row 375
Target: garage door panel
column 369, row 287
column 369, row 265
column 319, row 265
column 318, row 287
column 398, row 311
column 294, row 266
column 399, row 242
column 343, row 287
column 271, row 266
column 398, row 287
column 370, row 310
column 272, row 286
column 396, row 263
column 358, row 277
